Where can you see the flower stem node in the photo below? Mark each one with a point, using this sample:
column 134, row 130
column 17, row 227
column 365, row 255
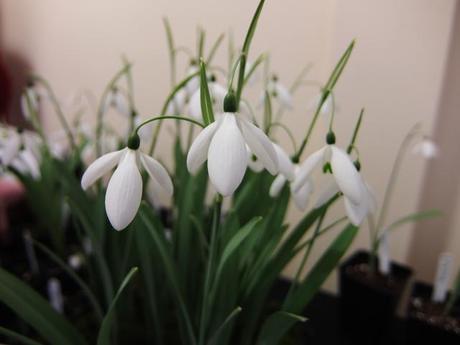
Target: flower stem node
column 357, row 164
column 230, row 102
column 134, row 141
column 330, row 138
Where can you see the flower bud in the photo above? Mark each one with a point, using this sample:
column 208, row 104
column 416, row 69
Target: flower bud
column 330, row 138
column 134, row 141
column 230, row 102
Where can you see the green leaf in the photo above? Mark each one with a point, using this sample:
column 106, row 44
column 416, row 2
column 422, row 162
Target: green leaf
column 414, row 217
column 280, row 319
column 16, row 336
column 321, row 270
column 85, row 288
column 37, row 312
column 171, row 274
column 214, row 48
column 103, row 337
column 245, row 50
column 216, row 337
column 205, row 97
column 338, row 69
column 234, row 244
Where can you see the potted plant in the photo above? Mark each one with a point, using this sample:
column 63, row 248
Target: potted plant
column 433, row 315
column 207, row 264
column 370, row 284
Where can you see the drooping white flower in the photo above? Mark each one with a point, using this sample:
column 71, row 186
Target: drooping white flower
column 178, row 103
column 346, row 177
column 217, row 93
column 223, row 145
column 124, row 190
column 117, row 100
column 426, row 148
column 194, row 83
column 288, row 170
column 279, row 92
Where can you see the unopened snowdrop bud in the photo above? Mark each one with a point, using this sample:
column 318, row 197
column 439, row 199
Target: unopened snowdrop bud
column 124, row 190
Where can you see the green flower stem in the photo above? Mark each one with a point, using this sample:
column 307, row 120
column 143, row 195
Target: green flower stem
column 165, row 107
column 306, row 255
column 214, row 48
column 35, row 120
column 130, row 94
column 171, row 49
column 312, row 126
column 355, row 132
column 100, row 109
column 60, row 114
column 394, row 175
column 175, row 117
column 206, row 303
column 288, row 132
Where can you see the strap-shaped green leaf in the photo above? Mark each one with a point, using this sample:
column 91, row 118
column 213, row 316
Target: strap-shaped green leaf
column 37, row 312
column 280, row 319
column 104, row 332
column 16, row 336
column 205, row 97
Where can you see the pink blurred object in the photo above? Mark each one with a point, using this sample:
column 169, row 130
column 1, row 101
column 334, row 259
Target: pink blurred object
column 11, row 192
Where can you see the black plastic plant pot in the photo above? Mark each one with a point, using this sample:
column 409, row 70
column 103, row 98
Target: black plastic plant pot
column 368, row 300
column 426, row 320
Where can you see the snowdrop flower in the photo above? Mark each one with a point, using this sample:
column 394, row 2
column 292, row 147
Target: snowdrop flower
column 217, row 93
column 178, row 103
column 117, row 100
column 29, row 101
column 194, row 83
column 426, row 148
column 279, row 92
column 288, row 170
column 124, row 190
column 223, row 145
column 345, row 174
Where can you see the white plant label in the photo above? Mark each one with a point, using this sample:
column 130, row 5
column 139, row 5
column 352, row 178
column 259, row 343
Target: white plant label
column 443, row 273
column 384, row 254
column 55, row 295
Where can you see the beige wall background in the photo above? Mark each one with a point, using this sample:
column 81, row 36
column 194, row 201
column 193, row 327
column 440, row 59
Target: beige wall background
column 396, row 70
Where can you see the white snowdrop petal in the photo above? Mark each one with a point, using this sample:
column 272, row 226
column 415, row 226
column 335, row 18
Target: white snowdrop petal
column 285, row 164
column 157, row 172
column 260, row 145
column 355, row 212
column 218, row 93
column 327, row 193
column 227, row 156
column 302, row 196
column 30, row 162
column 124, row 192
column 277, row 185
column 11, row 149
column 194, row 106
column 346, row 175
column 100, row 167
column 284, row 95
column 307, row 167
column 198, row 152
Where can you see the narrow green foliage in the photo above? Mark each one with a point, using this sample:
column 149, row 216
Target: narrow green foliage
column 205, row 96
column 103, row 337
